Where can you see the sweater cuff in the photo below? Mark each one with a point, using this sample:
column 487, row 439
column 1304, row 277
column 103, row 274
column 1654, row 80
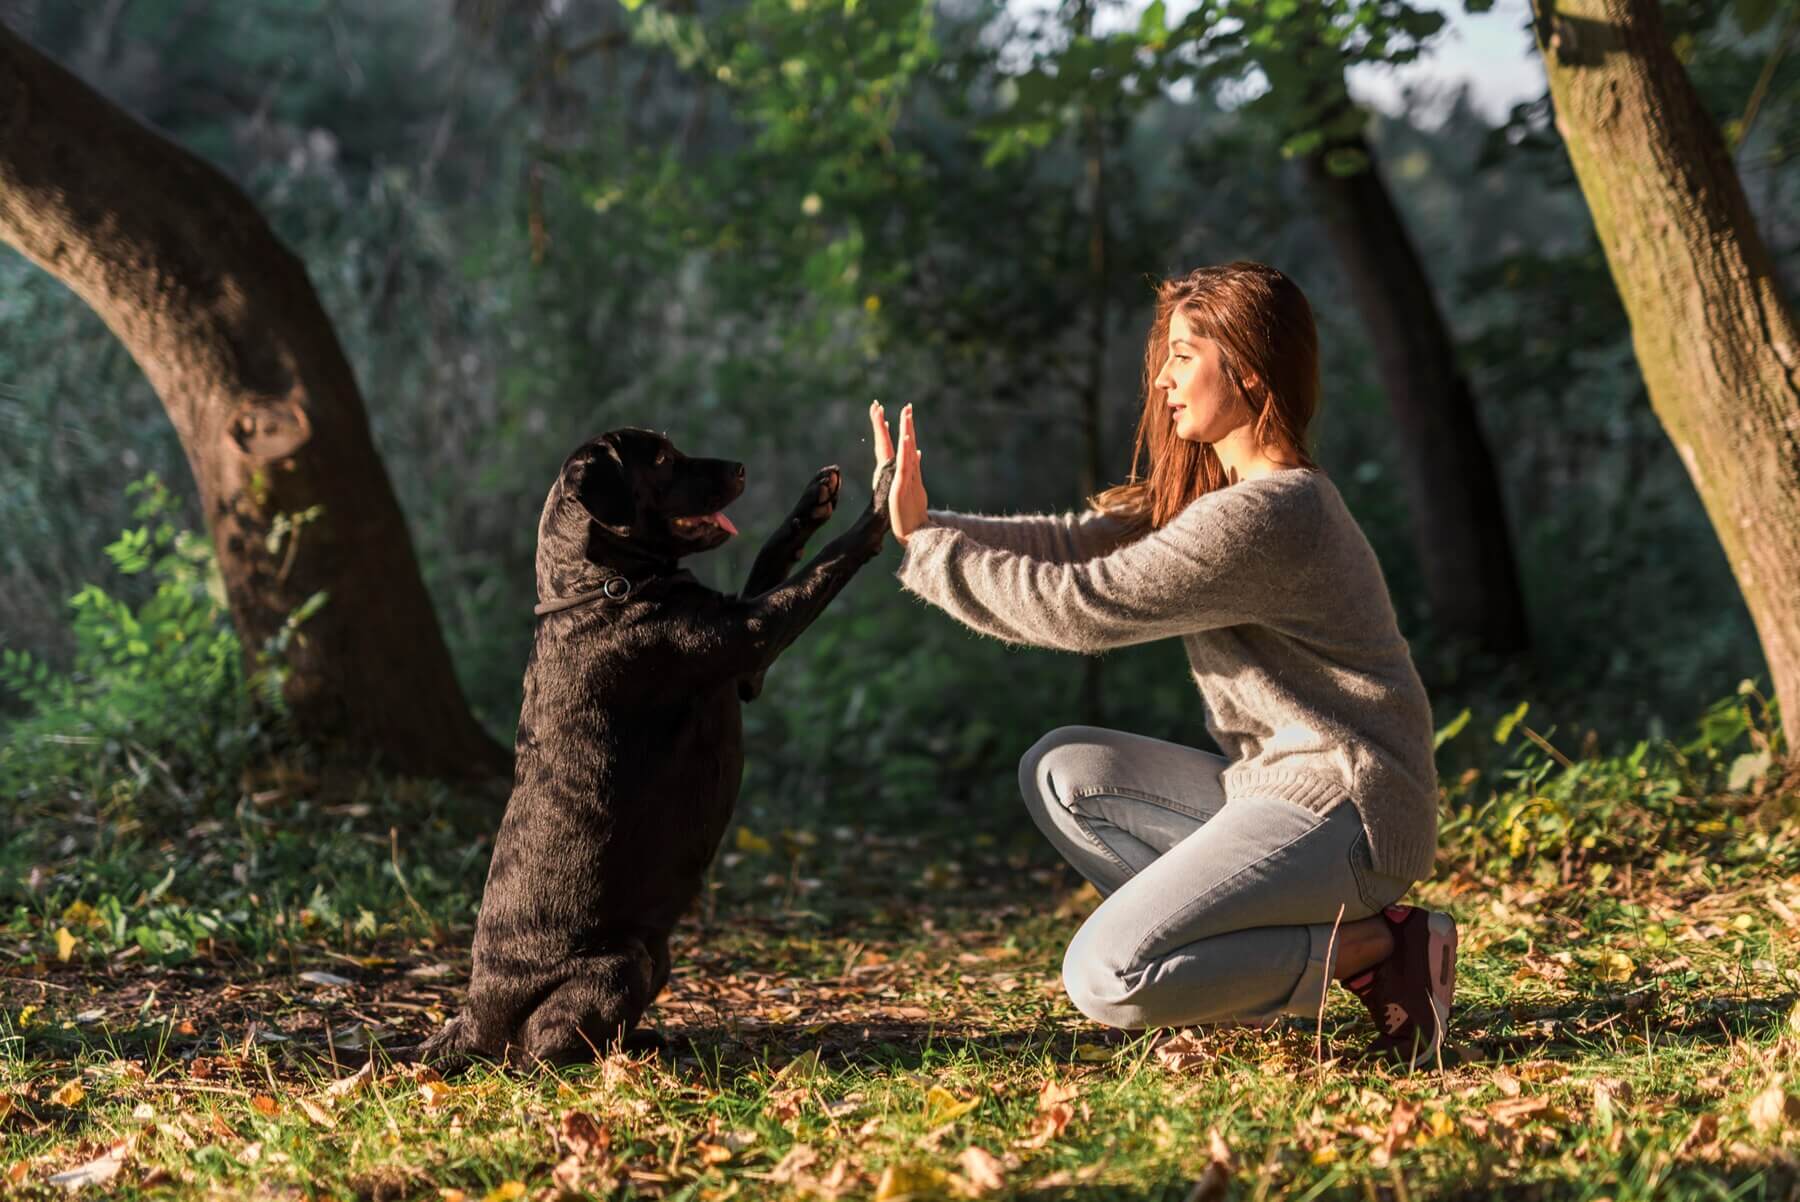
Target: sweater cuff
column 913, row 552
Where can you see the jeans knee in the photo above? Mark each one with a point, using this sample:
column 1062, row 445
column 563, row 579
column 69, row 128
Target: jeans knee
column 1044, row 770
column 1098, row 989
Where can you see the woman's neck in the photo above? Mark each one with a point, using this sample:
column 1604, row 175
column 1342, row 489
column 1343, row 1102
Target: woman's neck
column 1243, row 459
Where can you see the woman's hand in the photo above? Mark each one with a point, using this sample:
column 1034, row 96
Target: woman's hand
column 906, row 503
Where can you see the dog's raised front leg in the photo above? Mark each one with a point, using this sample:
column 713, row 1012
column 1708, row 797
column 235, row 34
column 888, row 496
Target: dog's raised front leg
column 744, row 636
column 779, row 555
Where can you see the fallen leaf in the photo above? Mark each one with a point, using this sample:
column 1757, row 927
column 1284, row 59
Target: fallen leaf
column 250, row 1153
column 80, row 914
column 1055, row 1093
column 1400, row 1124
column 1702, row 1137
column 585, row 1137
column 1183, row 1052
column 1093, row 1053
column 316, row 1112
column 65, row 944
column 1510, row 1112
column 6, row 1105
column 344, row 1086
column 326, row 978
column 942, row 1106
column 711, row 1154
column 506, row 1191
column 982, row 1171
column 907, row 1180
column 749, row 841
column 1615, row 966
column 98, row 1171
column 790, row 1167
column 1046, row 1126
column 1215, row 1179
column 1772, row 1108
column 69, row 1095
column 264, row 1105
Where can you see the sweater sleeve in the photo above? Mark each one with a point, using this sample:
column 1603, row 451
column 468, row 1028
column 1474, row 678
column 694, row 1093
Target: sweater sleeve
column 1230, row 557
column 1056, row 538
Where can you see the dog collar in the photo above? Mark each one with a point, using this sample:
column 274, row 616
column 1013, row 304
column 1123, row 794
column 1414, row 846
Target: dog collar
column 614, row 589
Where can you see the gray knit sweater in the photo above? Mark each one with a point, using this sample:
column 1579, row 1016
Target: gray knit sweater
column 1309, row 688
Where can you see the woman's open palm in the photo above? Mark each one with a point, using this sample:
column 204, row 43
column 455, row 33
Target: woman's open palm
column 906, row 503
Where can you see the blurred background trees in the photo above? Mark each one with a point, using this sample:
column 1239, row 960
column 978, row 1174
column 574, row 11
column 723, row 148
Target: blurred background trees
column 535, row 219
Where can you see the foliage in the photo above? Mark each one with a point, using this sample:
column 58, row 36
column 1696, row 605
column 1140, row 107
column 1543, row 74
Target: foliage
column 153, row 688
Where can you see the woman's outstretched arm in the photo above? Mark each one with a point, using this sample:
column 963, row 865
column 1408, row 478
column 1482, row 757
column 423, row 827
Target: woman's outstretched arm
column 1054, row 537
column 1229, row 558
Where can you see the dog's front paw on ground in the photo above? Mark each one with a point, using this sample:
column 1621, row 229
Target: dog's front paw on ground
column 820, row 497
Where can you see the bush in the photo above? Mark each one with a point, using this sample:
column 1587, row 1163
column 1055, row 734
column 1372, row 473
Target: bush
column 158, row 687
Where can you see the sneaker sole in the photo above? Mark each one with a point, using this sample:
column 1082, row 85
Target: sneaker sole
column 1440, row 955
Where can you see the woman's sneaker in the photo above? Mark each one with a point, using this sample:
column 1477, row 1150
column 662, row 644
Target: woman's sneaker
column 1409, row 993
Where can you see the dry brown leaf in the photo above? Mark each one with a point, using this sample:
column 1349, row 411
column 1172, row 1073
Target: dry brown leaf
column 982, row 1171
column 1400, row 1126
column 1055, row 1093
column 69, row 1095
column 317, row 1113
column 345, row 1086
column 586, row 1138
column 1215, row 1179
column 435, row 1093
column 1510, row 1112
column 711, row 1154
column 1180, row 1053
column 1773, row 1108
column 1507, row 1084
column 264, row 1105
column 1047, row 1126
column 791, row 1167
column 1703, row 1138
column 98, row 1171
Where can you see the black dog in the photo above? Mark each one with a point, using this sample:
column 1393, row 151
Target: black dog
column 630, row 741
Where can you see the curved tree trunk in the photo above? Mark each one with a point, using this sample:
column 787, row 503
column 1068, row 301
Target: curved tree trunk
column 1715, row 341
column 224, row 321
column 1459, row 519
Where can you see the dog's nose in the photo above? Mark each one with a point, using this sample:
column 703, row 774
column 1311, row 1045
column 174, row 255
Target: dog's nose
column 737, row 473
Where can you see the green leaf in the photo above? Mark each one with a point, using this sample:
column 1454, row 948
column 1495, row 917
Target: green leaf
column 1153, row 25
column 1503, row 730
column 1450, row 730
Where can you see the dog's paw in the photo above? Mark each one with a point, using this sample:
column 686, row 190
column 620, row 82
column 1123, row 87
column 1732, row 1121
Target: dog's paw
column 820, row 497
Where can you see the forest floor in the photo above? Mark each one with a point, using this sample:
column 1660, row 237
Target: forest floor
column 187, row 1009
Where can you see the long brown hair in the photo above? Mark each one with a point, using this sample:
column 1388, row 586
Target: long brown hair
column 1263, row 326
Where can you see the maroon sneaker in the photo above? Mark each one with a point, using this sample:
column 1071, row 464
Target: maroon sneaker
column 1409, row 993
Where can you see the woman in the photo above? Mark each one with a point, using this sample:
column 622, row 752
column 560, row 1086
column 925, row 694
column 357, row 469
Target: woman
column 1235, row 888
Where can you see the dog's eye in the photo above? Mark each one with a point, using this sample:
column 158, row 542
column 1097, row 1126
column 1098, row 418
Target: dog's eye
column 662, row 457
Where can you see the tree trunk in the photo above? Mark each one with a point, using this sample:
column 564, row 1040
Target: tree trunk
column 224, row 321
column 1715, row 341
column 1458, row 518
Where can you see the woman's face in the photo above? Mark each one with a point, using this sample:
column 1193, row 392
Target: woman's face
column 1202, row 401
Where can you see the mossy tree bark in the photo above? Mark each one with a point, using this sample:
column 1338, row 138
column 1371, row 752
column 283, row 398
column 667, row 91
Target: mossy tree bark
column 1714, row 338
column 224, row 322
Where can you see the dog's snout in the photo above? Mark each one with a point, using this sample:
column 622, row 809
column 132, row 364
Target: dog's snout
column 737, row 473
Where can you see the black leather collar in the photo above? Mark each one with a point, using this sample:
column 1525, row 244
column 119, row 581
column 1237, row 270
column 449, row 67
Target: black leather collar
column 616, row 589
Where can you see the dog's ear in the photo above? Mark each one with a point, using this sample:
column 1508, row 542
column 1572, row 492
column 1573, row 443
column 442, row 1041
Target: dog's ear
column 598, row 481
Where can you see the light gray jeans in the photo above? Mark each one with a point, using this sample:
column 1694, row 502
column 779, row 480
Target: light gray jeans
column 1213, row 912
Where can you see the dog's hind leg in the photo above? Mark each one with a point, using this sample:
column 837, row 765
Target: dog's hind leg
column 596, row 1007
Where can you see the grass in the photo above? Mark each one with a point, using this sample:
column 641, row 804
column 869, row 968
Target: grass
column 866, row 1005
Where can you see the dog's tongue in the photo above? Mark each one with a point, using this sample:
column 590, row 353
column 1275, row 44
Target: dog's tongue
column 724, row 523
